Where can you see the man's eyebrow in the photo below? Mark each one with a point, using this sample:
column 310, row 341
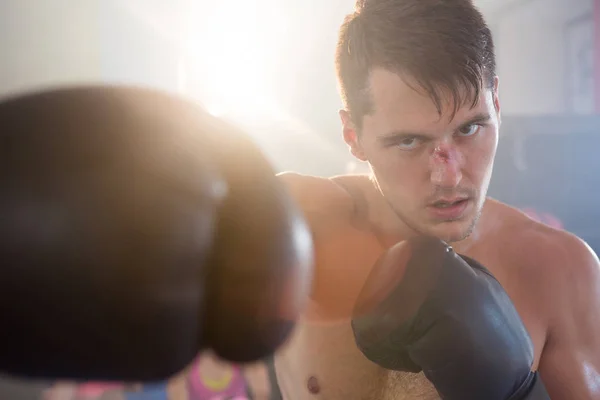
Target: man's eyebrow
column 478, row 118
column 402, row 134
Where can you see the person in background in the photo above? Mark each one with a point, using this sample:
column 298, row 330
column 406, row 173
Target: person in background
column 210, row 378
column 65, row 390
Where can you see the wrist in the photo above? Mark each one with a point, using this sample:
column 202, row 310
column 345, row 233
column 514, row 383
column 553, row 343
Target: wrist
column 532, row 389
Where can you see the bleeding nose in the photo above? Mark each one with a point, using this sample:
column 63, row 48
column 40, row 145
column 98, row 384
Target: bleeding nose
column 446, row 163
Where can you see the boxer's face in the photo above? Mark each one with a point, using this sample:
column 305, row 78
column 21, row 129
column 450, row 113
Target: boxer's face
column 434, row 170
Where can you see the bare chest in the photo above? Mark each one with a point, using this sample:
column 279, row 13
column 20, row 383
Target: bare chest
column 326, row 356
column 321, row 360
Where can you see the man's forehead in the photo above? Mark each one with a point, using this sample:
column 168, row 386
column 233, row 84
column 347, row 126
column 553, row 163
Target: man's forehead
column 392, row 94
column 399, row 98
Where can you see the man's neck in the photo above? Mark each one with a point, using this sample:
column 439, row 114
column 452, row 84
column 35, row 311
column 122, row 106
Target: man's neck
column 383, row 218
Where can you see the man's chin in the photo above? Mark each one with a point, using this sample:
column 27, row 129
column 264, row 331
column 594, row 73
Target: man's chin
column 452, row 231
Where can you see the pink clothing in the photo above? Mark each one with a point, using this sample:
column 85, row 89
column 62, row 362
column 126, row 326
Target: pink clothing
column 93, row 390
column 234, row 387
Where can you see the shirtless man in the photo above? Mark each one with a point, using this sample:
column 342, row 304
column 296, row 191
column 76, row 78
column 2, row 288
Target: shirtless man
column 421, row 107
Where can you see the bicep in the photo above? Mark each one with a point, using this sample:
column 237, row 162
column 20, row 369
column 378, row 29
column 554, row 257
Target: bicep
column 571, row 373
column 344, row 260
column 570, row 363
column 339, row 248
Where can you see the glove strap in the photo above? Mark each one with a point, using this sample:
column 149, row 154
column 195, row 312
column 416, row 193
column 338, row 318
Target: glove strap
column 532, row 389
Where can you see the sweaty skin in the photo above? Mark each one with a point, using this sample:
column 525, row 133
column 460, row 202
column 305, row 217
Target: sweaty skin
column 552, row 277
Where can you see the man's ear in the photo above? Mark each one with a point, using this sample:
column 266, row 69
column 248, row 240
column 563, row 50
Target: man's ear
column 497, row 99
column 351, row 136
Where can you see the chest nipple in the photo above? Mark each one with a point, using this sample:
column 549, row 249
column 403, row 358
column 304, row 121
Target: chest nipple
column 312, row 384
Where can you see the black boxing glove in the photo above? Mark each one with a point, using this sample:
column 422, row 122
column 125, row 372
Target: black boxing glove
column 129, row 241
column 447, row 316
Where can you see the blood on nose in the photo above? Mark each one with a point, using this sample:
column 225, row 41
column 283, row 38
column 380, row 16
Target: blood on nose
column 442, row 153
column 445, row 166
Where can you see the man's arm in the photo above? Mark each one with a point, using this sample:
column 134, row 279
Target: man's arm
column 570, row 363
column 257, row 378
column 340, row 270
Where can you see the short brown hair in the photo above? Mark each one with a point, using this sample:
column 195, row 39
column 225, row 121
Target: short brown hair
column 444, row 45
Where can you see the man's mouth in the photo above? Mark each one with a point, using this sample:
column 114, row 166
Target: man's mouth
column 449, row 202
column 449, row 209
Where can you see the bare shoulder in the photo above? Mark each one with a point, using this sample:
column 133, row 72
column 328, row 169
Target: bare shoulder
column 320, row 199
column 555, row 253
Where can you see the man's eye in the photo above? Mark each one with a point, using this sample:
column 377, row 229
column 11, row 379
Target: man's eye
column 469, row 130
column 408, row 143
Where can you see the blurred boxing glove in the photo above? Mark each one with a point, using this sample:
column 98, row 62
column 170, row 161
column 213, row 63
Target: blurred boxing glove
column 136, row 230
column 425, row 308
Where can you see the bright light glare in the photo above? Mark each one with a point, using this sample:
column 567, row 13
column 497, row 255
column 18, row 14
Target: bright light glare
column 234, row 53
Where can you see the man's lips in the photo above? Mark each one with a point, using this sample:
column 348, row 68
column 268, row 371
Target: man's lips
column 447, row 202
column 449, row 208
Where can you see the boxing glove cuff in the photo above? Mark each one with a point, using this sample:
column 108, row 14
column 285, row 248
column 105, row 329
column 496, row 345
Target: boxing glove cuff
column 532, row 389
